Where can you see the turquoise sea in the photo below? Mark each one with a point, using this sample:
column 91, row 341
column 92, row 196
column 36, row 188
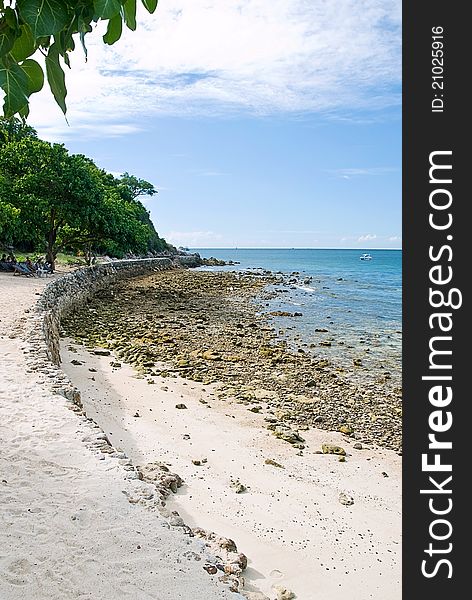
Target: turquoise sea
column 358, row 302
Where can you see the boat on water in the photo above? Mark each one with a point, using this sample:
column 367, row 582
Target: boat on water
column 365, row 257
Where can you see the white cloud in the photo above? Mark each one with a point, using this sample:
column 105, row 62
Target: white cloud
column 367, row 238
column 222, row 57
column 357, row 172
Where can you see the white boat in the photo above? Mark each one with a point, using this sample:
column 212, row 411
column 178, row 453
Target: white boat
column 365, row 257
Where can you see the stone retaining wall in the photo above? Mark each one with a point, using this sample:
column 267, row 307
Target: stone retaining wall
column 61, row 295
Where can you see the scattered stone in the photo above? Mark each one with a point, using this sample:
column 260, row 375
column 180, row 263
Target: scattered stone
column 283, row 593
column 346, row 499
column 211, row 569
column 333, row 449
column 181, row 406
column 101, row 352
column 270, row 461
column 76, row 362
column 237, row 486
column 358, row 446
column 201, row 319
column 196, row 462
column 346, row 429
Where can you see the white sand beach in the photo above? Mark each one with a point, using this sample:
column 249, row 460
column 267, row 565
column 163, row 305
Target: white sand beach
column 290, row 521
column 74, row 525
column 67, row 527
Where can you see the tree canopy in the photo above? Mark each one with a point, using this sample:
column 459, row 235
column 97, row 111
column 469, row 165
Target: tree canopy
column 52, row 27
column 51, row 200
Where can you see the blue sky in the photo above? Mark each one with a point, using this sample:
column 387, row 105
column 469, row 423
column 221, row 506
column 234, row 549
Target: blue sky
column 262, row 123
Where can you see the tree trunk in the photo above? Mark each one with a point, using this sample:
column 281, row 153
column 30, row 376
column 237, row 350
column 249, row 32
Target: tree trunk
column 50, row 252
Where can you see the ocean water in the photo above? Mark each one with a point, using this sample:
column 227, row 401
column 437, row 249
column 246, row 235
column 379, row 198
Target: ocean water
column 358, row 302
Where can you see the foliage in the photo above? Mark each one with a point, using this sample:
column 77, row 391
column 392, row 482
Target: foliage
column 52, row 200
column 52, row 28
column 13, row 129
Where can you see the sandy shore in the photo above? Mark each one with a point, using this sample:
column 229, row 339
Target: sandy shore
column 68, row 529
column 290, row 520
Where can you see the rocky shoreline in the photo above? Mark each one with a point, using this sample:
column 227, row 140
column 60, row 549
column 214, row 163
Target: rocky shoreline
column 211, row 327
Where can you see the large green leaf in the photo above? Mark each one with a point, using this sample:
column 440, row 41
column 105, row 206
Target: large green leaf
column 129, row 9
column 150, row 5
column 56, row 78
column 106, row 9
column 14, row 82
column 45, row 17
column 114, row 29
column 35, row 75
column 24, row 45
column 7, row 39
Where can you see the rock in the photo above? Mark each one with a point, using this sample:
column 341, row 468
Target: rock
column 321, row 330
column 288, row 435
column 196, row 462
column 211, row 355
column 237, row 486
column 211, row 569
column 346, row 429
column 358, row 446
column 181, row 406
column 346, row 499
column 176, row 521
column 269, row 461
column 256, row 596
column 76, row 362
column 332, row 449
column 342, row 459
column 101, row 352
column 357, row 362
column 241, row 561
column 232, row 569
column 283, row 593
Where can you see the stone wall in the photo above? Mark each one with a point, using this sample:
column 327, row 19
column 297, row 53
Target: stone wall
column 61, row 295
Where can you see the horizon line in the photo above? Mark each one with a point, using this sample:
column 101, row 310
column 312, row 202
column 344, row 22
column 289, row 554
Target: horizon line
column 282, row 248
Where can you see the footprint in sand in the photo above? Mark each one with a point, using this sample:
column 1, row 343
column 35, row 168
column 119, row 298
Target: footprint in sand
column 276, row 574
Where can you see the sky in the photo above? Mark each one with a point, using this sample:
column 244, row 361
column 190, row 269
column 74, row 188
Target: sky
column 262, row 123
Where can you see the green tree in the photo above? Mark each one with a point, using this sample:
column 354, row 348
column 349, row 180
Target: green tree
column 13, row 129
column 49, row 26
column 135, row 187
column 52, row 189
